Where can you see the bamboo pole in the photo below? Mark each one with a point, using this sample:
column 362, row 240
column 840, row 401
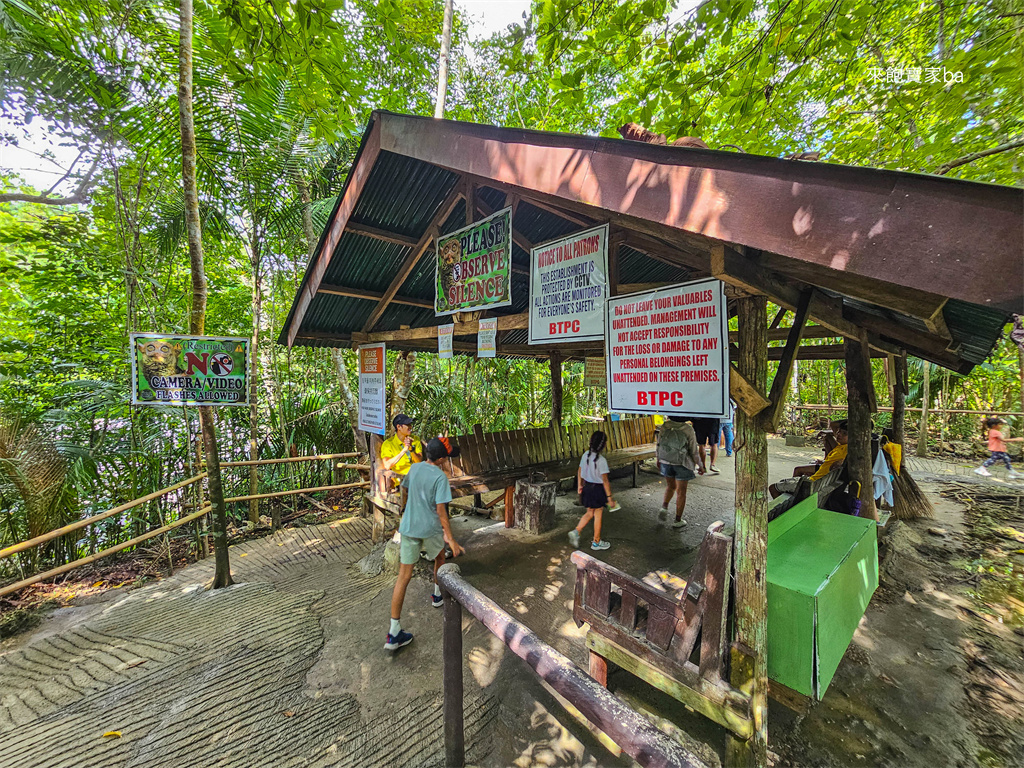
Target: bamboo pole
column 278, row 494
column 22, row 546
column 99, row 555
column 888, row 408
column 922, row 435
column 251, row 462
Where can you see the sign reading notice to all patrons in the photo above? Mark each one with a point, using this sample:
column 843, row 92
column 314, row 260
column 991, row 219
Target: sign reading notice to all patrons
column 667, row 351
column 372, row 405
column 473, row 266
column 594, row 372
column 568, row 286
column 189, row 370
column 486, row 337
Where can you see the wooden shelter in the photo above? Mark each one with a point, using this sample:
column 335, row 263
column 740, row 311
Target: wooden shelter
column 887, row 263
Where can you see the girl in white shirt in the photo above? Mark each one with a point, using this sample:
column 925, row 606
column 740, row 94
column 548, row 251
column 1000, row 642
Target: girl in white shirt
column 595, row 490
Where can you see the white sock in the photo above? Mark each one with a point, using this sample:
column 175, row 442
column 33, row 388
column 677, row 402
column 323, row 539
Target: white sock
column 437, row 590
column 396, row 627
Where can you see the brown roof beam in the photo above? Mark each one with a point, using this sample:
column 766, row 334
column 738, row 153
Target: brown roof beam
column 821, row 352
column 517, row 237
column 470, row 328
column 358, row 293
column 421, row 247
column 917, row 343
column 381, row 234
column 354, row 186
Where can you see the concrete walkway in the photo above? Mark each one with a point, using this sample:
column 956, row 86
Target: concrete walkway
column 286, row 668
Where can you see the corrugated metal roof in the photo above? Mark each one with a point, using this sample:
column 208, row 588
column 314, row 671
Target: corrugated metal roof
column 402, row 194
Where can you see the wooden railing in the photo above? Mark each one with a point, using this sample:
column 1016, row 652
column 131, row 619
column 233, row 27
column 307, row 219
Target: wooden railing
column 635, row 734
column 202, row 509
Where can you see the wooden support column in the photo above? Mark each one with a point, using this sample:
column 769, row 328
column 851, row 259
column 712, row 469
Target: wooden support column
column 858, row 459
column 899, row 400
column 751, row 605
column 781, row 382
column 614, row 245
column 926, row 396
column 556, row 387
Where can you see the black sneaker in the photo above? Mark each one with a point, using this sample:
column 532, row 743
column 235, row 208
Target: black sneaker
column 436, row 600
column 395, row 642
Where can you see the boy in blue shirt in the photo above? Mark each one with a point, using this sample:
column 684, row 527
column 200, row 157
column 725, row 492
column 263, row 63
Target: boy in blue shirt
column 424, row 528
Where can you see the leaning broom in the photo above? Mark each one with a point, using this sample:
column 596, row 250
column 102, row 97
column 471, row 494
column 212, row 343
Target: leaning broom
column 909, row 501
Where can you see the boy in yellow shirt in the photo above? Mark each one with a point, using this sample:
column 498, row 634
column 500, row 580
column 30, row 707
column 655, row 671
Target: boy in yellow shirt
column 400, row 451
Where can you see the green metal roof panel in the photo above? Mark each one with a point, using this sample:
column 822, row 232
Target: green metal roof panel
column 402, row 194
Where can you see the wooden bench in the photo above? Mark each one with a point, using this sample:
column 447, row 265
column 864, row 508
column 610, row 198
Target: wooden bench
column 680, row 645
column 494, row 461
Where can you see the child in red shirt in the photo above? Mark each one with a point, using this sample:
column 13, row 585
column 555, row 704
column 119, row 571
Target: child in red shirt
column 997, row 446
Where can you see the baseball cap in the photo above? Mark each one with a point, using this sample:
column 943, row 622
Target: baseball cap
column 401, row 419
column 436, row 449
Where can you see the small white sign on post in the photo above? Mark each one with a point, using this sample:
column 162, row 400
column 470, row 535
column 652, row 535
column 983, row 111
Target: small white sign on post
column 444, row 340
column 486, row 345
column 568, row 288
column 667, row 351
column 594, row 372
column 372, row 391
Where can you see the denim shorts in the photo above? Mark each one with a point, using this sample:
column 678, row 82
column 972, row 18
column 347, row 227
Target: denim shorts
column 678, row 471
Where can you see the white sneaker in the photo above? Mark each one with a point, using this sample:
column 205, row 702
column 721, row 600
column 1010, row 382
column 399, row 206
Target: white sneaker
column 574, row 538
column 663, row 513
column 1013, row 475
column 983, row 472
column 714, row 470
column 679, row 524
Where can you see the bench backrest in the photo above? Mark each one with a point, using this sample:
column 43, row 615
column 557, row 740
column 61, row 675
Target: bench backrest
column 656, row 625
column 486, row 452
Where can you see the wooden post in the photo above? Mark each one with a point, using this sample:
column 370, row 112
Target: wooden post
column 510, row 516
column 922, row 437
column 599, row 668
column 751, row 625
column 858, row 459
column 556, row 387
column 454, row 733
column 899, row 401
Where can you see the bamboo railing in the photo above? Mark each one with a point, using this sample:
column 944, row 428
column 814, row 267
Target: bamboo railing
column 202, row 511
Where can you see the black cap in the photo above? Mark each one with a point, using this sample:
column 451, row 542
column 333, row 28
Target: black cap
column 436, row 449
column 401, row 419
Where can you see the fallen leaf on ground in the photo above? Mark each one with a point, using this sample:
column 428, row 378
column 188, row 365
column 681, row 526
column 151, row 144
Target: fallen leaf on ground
column 287, row 713
column 112, row 735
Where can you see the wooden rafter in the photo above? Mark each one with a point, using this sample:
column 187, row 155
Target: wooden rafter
column 358, row 293
column 421, row 247
column 381, row 234
column 470, row 328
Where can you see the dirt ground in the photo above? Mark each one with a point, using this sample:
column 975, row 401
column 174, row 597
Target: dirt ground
column 934, row 676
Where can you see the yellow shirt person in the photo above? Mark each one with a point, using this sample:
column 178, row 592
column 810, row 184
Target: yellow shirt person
column 401, row 450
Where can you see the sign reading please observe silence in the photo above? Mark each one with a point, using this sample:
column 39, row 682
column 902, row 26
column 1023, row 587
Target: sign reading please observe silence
column 667, row 351
column 473, row 266
column 372, row 392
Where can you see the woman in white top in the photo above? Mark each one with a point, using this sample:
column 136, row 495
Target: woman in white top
column 595, row 490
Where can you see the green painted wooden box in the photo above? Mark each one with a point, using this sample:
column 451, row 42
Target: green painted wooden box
column 822, row 571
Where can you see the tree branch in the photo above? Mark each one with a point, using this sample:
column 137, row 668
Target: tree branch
column 947, row 167
column 80, row 195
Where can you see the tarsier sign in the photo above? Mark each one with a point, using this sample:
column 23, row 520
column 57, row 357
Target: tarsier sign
column 189, row 370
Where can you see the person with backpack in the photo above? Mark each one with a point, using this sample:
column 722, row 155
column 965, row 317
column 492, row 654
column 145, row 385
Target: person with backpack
column 680, row 462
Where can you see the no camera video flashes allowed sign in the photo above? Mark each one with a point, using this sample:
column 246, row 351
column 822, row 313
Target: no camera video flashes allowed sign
column 667, row 351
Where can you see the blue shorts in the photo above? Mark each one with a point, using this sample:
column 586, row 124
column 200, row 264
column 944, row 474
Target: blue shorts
column 677, row 471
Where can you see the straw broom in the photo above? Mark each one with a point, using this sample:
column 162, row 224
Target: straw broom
column 910, row 503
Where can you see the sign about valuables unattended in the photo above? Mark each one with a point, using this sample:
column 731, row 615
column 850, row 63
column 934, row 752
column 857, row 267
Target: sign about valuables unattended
column 568, row 286
column 372, row 392
column 667, row 351
column 189, row 370
column 474, row 266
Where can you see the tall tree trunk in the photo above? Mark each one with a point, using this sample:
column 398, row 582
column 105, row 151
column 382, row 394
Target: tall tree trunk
column 751, row 537
column 442, row 70
column 197, row 323
column 404, row 369
column 338, row 355
column 256, row 258
column 922, row 437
